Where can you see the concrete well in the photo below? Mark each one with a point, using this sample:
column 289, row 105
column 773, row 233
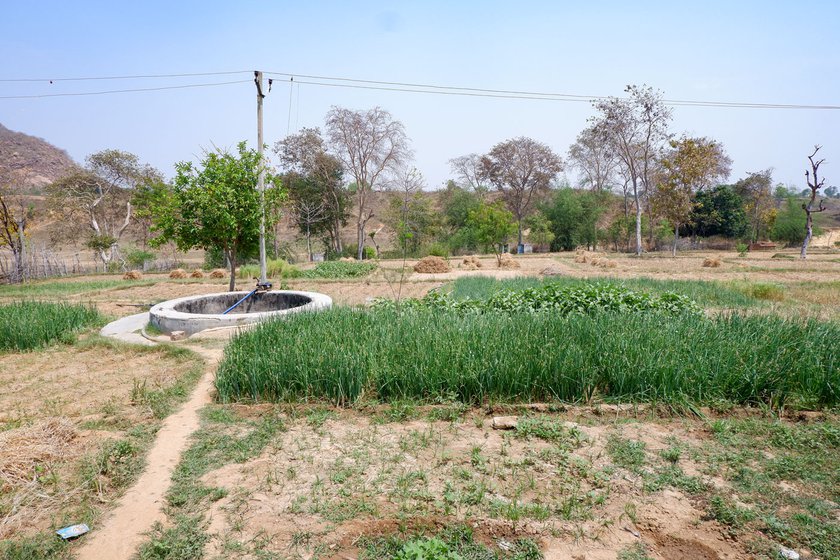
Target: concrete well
column 198, row 313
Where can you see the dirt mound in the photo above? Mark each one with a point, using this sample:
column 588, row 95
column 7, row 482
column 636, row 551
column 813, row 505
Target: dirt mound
column 178, row 273
column 133, row 275
column 711, row 262
column 23, row 450
column 431, row 265
column 218, row 273
column 507, row 262
column 197, row 273
column 471, row 263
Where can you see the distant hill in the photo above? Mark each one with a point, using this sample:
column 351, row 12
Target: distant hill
column 32, row 159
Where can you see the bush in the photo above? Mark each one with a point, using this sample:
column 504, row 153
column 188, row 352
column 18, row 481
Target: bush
column 29, row 325
column 352, row 251
column 274, row 268
column 340, row 269
column 742, row 249
column 438, row 249
column 137, row 258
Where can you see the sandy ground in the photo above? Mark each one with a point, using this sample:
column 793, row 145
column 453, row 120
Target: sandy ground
column 123, row 530
column 312, row 480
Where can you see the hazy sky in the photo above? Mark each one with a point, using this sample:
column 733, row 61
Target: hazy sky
column 765, row 52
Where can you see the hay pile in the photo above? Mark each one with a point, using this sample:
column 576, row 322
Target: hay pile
column 346, row 259
column 471, row 263
column 595, row 259
column 178, row 273
column 431, row 265
column 23, row 449
column 218, row 273
column 197, row 273
column 551, row 271
column 133, row 275
column 507, row 262
column 711, row 262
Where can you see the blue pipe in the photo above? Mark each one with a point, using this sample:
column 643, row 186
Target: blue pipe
column 232, row 307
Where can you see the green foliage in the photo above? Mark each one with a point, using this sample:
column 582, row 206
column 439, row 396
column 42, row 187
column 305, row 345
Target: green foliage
column 539, row 226
column 491, row 225
column 557, row 299
column 789, row 226
column 28, row 325
column 523, row 356
column 137, row 258
column 340, row 269
column 351, row 250
column 427, row 549
column 719, row 211
column 217, row 205
column 742, row 249
column 45, row 546
column 277, row 269
column 185, row 540
column 573, row 215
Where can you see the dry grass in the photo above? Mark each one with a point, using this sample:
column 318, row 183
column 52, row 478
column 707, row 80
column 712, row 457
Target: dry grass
column 178, row 274
column 431, row 265
column 218, row 273
column 24, row 450
column 133, row 275
column 508, row 262
column 197, row 273
column 471, row 262
column 711, row 262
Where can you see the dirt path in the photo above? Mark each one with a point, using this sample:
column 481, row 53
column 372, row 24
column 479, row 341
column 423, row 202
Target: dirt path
column 123, row 529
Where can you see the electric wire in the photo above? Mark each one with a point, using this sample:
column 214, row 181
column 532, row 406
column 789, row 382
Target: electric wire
column 107, row 92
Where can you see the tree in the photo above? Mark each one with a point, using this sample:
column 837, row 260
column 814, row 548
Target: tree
column 540, row 232
column 314, row 179
column 814, row 184
column 410, row 212
column 15, row 215
column 521, row 169
column 691, row 164
column 635, row 128
column 307, row 214
column 144, row 200
column 759, row 205
column 492, row 226
column 98, row 198
column 574, row 215
column 470, row 173
column 789, row 227
column 217, row 206
column 595, row 158
column 372, row 146
column 719, row 211
column 456, row 204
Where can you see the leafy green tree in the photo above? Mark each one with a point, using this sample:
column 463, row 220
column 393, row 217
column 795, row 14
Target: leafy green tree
column 217, row 206
column 789, row 226
column 539, row 227
column 574, row 215
column 719, row 211
column 760, row 207
column 492, row 226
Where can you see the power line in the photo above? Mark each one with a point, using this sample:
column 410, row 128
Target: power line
column 128, row 77
column 519, row 94
column 107, row 92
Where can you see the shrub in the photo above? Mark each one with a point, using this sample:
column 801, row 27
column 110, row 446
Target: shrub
column 340, row 269
column 137, row 258
column 438, row 249
column 742, row 249
column 352, row 251
column 29, row 325
column 770, row 292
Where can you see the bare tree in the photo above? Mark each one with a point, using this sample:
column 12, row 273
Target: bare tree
column 593, row 155
column 372, row 146
column 814, row 184
column 636, row 128
column 15, row 214
column 308, row 213
column 99, row 197
column 520, row 169
column 470, row 173
column 315, row 176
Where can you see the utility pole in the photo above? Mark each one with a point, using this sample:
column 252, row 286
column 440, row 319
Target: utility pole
column 258, row 80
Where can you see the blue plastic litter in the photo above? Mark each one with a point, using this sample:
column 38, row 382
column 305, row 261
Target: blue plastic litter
column 73, row 531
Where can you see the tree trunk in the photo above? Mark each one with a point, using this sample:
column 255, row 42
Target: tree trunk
column 676, row 237
column 231, row 256
column 20, row 254
column 638, row 219
column 519, row 233
column 308, row 242
column 809, row 232
column 360, row 236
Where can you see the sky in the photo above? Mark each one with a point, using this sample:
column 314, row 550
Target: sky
column 734, row 51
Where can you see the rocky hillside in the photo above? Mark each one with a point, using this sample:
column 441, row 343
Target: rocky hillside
column 32, row 160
